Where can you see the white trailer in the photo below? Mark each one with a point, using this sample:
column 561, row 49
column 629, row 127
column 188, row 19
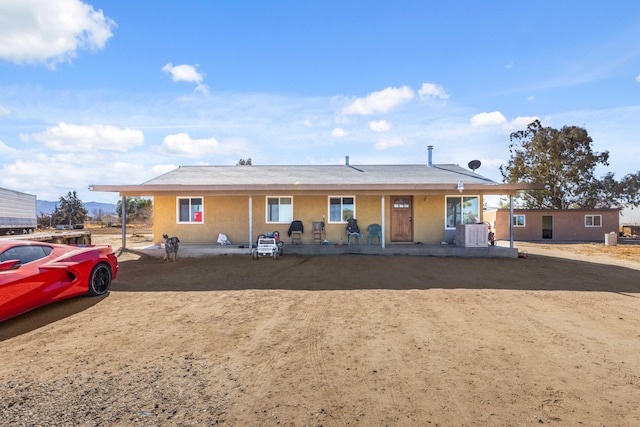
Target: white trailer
column 17, row 212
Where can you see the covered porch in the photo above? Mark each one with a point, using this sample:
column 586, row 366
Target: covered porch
column 424, row 250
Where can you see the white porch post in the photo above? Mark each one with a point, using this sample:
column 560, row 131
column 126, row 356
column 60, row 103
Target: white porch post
column 511, row 221
column 250, row 221
column 124, row 222
column 382, row 245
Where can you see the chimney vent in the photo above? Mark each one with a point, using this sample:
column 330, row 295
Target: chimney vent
column 346, row 160
column 430, row 148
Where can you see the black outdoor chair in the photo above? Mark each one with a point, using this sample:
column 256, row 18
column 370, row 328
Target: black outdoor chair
column 353, row 231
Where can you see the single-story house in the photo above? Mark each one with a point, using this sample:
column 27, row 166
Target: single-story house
column 412, row 203
column 554, row 224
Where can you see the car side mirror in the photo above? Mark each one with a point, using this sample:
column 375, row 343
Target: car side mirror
column 12, row 264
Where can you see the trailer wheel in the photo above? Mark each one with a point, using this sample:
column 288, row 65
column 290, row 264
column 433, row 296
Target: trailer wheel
column 57, row 240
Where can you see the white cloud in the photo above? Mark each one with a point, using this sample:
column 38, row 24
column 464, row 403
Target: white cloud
column 187, row 73
column 50, row 31
column 162, row 169
column 134, row 173
column 386, row 143
column 380, row 102
column 520, row 123
column 497, row 119
column 380, row 126
column 4, row 111
column 6, row 151
column 488, row 119
column 431, row 91
column 182, row 144
column 339, row 133
column 638, row 78
column 37, row 176
column 531, row 98
column 74, row 138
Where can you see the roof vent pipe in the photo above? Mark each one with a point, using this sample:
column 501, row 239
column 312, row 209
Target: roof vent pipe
column 430, row 148
column 346, row 160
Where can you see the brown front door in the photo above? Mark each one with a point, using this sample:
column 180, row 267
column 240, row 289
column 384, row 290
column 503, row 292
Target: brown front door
column 401, row 219
column 547, row 227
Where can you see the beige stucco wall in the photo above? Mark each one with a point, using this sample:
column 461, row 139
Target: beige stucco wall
column 220, row 214
column 230, row 215
column 428, row 222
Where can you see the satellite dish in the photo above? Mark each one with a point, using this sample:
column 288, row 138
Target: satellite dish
column 474, row 164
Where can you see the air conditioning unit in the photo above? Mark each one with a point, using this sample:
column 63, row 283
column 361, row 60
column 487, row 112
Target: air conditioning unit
column 472, row 235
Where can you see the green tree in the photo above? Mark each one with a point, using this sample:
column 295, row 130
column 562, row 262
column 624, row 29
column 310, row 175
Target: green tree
column 625, row 192
column 44, row 220
column 563, row 160
column 137, row 209
column 70, row 210
column 243, row 162
column 630, row 189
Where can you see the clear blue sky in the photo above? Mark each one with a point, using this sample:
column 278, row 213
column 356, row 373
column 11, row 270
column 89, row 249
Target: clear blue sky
column 118, row 92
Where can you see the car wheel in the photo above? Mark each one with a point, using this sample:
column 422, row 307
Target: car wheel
column 254, row 254
column 100, row 279
column 275, row 255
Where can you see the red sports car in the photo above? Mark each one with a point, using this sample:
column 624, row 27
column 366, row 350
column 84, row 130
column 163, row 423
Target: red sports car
column 33, row 274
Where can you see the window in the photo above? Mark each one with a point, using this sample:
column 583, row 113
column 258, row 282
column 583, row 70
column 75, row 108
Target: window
column 25, row 254
column 401, row 204
column 518, row 221
column 280, row 209
column 190, row 210
column 593, row 220
column 461, row 210
column 342, row 209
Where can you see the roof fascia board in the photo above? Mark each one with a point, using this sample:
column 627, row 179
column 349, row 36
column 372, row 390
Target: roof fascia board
column 150, row 190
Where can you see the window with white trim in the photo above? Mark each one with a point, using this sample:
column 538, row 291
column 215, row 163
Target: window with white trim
column 190, row 210
column 342, row 208
column 461, row 210
column 593, row 220
column 279, row 209
column 518, row 220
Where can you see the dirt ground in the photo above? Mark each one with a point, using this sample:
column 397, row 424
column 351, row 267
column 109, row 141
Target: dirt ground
column 550, row 339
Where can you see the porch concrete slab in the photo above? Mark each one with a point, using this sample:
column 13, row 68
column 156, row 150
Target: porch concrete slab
column 194, row 251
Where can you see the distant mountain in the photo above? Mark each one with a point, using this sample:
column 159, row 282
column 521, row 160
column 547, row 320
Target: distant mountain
column 46, row 207
column 43, row 206
column 106, row 208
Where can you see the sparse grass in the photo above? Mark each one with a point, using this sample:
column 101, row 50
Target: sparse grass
column 629, row 252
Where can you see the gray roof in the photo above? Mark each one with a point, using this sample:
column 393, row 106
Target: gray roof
column 319, row 175
column 315, row 178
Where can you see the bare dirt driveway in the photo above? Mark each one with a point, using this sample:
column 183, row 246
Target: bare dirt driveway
column 336, row 341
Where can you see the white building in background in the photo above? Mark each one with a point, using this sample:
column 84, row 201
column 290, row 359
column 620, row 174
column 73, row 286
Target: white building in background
column 630, row 216
column 630, row 221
